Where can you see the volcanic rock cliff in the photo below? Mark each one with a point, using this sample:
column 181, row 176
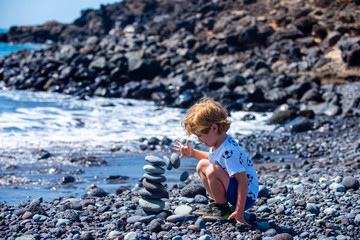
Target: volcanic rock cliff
column 248, row 54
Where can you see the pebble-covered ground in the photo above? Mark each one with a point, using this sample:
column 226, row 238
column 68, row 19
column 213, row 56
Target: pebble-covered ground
column 315, row 197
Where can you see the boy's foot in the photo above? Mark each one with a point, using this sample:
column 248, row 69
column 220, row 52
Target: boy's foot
column 218, row 212
column 205, row 210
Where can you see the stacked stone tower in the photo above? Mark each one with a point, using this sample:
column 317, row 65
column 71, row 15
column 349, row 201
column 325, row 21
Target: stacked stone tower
column 154, row 190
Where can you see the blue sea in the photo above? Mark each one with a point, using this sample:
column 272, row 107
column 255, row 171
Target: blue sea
column 8, row 48
column 34, row 123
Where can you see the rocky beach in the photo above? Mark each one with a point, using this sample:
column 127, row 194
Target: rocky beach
column 299, row 60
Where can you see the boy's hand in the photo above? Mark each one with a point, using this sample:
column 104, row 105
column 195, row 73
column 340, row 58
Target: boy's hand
column 239, row 218
column 186, row 151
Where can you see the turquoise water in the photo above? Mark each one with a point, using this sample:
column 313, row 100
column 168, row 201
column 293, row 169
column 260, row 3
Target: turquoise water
column 8, row 48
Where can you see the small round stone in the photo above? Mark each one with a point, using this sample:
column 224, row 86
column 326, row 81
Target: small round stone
column 167, row 163
column 175, row 160
column 184, row 176
column 151, row 205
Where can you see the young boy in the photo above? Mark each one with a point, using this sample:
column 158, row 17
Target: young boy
column 226, row 172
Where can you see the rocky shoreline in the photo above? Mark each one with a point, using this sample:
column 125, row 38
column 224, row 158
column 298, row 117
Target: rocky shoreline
column 316, row 197
column 249, row 55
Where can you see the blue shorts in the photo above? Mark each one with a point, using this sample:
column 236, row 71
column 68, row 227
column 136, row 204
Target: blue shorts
column 231, row 194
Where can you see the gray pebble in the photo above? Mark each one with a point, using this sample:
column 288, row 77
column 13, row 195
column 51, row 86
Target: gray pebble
column 330, row 212
column 152, row 186
column 133, row 219
column 154, row 169
column 263, row 226
column 184, row 176
column 131, row 236
column 155, row 177
column 282, row 236
column 167, row 163
column 153, row 195
column 177, row 238
column 155, row 225
column 205, row 237
column 201, row 223
column 270, row 233
column 62, row 222
column 312, row 208
column 26, row 237
column 151, row 205
column 97, row 192
column 176, row 218
column 147, row 219
column 154, row 160
column 175, row 160
column 337, row 187
column 201, row 199
column 263, row 191
column 350, row 182
column 115, row 234
column 183, row 210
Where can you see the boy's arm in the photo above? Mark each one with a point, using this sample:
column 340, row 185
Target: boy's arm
column 200, row 154
column 188, row 151
column 238, row 214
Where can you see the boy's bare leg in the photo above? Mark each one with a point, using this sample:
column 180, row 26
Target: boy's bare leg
column 218, row 182
column 201, row 170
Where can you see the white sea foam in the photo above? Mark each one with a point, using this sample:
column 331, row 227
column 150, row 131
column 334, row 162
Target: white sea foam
column 41, row 119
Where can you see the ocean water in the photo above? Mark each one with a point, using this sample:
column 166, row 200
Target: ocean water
column 8, row 48
column 68, row 128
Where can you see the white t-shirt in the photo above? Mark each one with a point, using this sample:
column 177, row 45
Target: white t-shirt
column 233, row 159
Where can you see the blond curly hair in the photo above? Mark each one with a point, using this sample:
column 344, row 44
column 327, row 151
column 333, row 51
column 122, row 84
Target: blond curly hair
column 201, row 116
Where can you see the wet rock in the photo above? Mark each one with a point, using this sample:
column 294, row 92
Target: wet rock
column 153, row 195
column 151, row 205
column 175, row 160
column 97, row 192
column 121, row 189
column 153, row 169
column 155, row 225
column 67, row 179
column 167, row 163
column 36, row 208
column 183, row 210
column 350, row 182
column 299, row 124
column 176, row 218
column 282, row 116
column 155, row 161
column 263, row 191
column 350, row 51
column 184, row 176
column 154, row 177
column 282, row 236
column 337, row 187
column 192, row 190
column 152, row 186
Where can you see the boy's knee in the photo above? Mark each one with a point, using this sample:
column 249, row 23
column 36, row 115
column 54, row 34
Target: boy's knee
column 202, row 165
column 211, row 169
